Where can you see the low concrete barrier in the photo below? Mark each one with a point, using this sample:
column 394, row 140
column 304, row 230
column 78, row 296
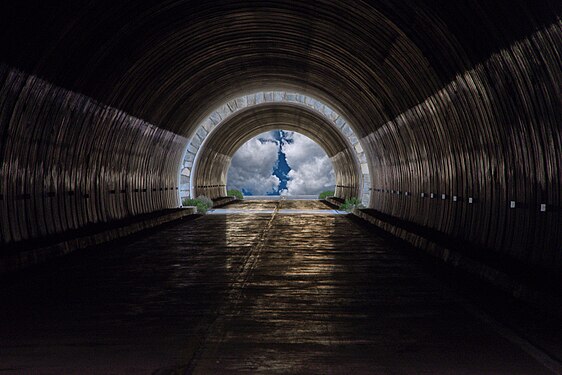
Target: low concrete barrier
column 31, row 256
column 223, row 201
column 509, row 280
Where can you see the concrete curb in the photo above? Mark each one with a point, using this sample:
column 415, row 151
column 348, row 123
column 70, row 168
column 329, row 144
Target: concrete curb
column 223, row 201
column 334, row 202
column 18, row 261
column 456, row 259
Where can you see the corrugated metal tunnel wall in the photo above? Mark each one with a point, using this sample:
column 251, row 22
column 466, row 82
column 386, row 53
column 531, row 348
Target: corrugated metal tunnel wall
column 69, row 162
column 460, row 99
column 491, row 141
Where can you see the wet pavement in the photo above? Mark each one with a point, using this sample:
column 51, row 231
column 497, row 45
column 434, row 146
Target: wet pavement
column 249, row 292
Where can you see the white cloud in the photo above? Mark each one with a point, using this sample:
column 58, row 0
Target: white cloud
column 252, row 166
column 311, row 169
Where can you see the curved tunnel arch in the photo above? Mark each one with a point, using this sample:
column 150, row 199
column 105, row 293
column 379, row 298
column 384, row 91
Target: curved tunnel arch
column 213, row 160
column 361, row 184
column 459, row 100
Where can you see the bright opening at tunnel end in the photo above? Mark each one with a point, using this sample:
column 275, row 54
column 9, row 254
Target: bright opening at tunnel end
column 281, row 163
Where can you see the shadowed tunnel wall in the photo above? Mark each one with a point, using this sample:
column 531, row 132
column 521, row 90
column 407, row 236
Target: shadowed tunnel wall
column 69, row 162
column 491, row 141
column 455, row 99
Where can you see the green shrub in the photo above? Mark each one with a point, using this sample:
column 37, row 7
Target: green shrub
column 202, row 203
column 235, row 193
column 350, row 204
column 326, row 194
column 208, row 201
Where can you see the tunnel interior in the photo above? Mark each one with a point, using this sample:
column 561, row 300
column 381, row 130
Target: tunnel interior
column 443, row 117
column 455, row 106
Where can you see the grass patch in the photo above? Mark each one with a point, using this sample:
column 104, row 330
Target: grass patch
column 350, row 204
column 202, row 203
column 235, row 193
column 326, row 194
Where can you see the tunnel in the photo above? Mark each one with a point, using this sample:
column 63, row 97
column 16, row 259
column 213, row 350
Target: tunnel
column 443, row 118
column 211, row 165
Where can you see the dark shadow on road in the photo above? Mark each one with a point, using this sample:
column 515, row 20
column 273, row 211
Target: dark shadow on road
column 246, row 293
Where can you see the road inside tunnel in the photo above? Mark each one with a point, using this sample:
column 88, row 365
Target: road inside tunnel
column 279, row 291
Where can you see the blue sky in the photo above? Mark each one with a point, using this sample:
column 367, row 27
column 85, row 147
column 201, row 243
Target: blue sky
column 281, row 163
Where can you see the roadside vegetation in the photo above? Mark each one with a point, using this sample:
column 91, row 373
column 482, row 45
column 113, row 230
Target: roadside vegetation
column 235, row 193
column 202, row 203
column 350, row 204
column 326, row 194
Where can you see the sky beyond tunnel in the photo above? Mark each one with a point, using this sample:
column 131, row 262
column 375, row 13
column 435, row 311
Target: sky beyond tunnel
column 281, row 163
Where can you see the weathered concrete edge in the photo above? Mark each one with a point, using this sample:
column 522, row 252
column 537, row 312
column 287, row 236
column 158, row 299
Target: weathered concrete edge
column 332, row 202
column 36, row 256
column 223, row 201
column 454, row 258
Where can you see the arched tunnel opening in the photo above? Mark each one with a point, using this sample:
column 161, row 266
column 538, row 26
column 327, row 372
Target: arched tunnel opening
column 241, row 118
column 442, row 118
column 211, row 163
column 281, row 163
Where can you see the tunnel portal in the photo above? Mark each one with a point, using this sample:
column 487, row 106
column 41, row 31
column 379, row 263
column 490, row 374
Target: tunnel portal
column 352, row 171
column 211, row 164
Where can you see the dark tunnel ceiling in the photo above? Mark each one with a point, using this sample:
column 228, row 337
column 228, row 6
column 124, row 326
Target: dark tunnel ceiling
column 171, row 62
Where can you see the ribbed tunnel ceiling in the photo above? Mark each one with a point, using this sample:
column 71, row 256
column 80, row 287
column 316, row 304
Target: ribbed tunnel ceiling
column 171, row 62
column 253, row 121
